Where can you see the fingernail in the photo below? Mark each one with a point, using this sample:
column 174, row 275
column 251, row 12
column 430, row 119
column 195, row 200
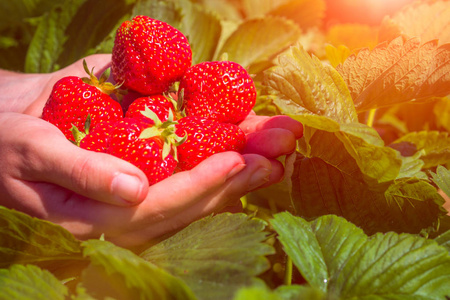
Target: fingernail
column 126, row 187
column 260, row 177
column 235, row 170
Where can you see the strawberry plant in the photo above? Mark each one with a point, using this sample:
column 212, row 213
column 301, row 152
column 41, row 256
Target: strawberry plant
column 363, row 209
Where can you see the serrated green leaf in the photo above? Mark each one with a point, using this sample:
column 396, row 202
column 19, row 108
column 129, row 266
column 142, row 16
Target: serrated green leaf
column 119, row 273
column 442, row 179
column 259, row 40
column 24, row 239
column 404, row 205
column 444, row 240
column 306, row 86
column 349, row 147
column 434, row 145
column 220, row 254
column 30, row 282
column 397, row 72
column 49, row 38
column 353, row 265
column 412, row 167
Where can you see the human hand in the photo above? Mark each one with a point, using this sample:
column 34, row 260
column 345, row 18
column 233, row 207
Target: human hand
column 48, row 177
column 45, row 175
column 27, row 93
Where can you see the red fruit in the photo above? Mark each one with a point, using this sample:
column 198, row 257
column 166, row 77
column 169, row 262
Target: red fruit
column 159, row 104
column 73, row 99
column 148, row 55
column 98, row 139
column 150, row 147
column 221, row 90
column 205, row 138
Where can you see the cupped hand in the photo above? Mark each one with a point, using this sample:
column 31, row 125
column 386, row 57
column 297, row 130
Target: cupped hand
column 90, row 193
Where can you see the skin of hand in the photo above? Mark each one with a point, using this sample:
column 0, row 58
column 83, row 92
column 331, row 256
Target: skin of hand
column 90, row 194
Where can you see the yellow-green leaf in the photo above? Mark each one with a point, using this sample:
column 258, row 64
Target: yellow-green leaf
column 336, row 55
column 306, row 13
column 434, row 145
column 398, row 72
column 259, row 40
column 426, row 20
column 307, row 86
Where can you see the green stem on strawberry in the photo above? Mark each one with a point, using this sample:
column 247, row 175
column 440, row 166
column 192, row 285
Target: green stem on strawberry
column 77, row 134
column 165, row 131
column 104, row 86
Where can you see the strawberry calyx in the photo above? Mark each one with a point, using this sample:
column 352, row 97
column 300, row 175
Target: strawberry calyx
column 78, row 135
column 101, row 83
column 164, row 131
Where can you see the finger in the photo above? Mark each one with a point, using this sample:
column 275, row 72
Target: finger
column 51, row 158
column 182, row 190
column 255, row 123
column 258, row 172
column 166, row 200
column 271, row 142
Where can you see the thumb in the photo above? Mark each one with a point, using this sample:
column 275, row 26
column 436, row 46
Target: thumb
column 98, row 176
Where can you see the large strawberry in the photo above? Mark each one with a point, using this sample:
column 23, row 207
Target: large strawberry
column 160, row 104
column 150, row 146
column 149, row 55
column 205, row 138
column 97, row 139
column 220, row 90
column 73, row 99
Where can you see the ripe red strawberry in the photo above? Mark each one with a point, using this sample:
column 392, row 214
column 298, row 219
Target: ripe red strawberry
column 221, row 90
column 98, row 139
column 73, row 99
column 159, row 104
column 150, row 146
column 205, row 138
column 148, row 55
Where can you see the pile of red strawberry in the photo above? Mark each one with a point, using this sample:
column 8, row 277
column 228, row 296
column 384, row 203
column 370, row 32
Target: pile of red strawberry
column 157, row 133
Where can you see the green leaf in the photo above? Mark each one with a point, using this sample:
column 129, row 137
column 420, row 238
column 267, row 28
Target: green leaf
column 305, row 13
column 119, row 273
column 259, row 40
column 404, row 205
column 339, row 259
column 256, row 293
column 219, row 254
column 355, row 147
column 284, row 292
column 434, row 145
column 24, row 239
column 30, row 282
column 444, row 240
column 93, row 24
column 202, row 28
column 397, row 72
column 412, row 167
column 47, row 43
column 442, row 179
column 307, row 86
column 165, row 11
